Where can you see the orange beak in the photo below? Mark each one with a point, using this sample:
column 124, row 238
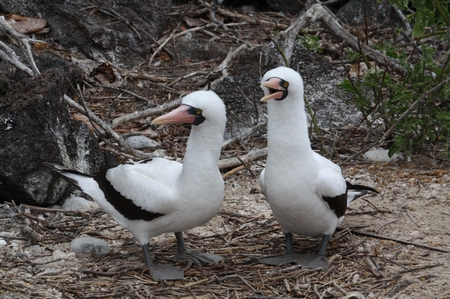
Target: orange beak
column 275, row 90
column 179, row 115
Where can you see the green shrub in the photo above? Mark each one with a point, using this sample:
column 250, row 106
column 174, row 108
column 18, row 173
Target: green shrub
column 414, row 108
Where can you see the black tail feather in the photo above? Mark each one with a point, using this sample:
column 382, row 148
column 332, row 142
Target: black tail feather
column 61, row 170
column 360, row 187
column 110, row 160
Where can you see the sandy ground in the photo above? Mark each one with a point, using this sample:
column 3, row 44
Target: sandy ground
column 392, row 245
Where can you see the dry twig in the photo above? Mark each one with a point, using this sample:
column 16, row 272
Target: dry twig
column 24, row 43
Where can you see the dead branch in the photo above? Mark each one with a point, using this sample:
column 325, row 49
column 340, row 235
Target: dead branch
column 233, row 171
column 122, row 90
column 329, row 20
column 372, row 267
column 318, row 12
column 140, row 75
column 144, row 113
column 24, row 43
column 226, row 63
column 237, row 161
column 212, row 12
column 125, row 147
column 243, row 135
column 162, row 45
column 361, row 233
column 248, row 19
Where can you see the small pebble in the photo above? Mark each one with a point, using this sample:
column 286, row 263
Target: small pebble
column 159, row 153
column 2, row 242
column 85, row 247
column 76, row 203
column 381, row 155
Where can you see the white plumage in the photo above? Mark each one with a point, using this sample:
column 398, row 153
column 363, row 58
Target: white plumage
column 306, row 192
column 164, row 196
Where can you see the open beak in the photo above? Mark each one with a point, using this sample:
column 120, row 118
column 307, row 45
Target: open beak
column 275, row 90
column 179, row 115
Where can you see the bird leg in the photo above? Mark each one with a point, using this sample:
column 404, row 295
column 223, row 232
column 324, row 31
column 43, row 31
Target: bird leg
column 159, row 271
column 312, row 261
column 317, row 260
column 185, row 255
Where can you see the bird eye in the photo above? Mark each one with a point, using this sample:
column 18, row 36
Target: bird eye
column 285, row 84
column 198, row 111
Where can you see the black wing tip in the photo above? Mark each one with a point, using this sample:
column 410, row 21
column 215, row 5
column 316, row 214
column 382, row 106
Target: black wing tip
column 337, row 203
column 110, row 160
column 61, row 172
column 360, row 187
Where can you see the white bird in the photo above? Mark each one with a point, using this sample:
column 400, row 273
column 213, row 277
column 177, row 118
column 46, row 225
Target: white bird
column 306, row 192
column 164, row 196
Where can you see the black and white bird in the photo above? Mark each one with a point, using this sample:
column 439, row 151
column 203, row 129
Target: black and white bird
column 307, row 193
column 164, row 196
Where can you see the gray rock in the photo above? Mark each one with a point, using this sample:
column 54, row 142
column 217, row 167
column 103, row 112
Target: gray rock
column 381, row 155
column 241, row 92
column 117, row 31
column 85, row 247
column 287, row 6
column 140, row 142
column 77, row 203
column 36, row 127
column 375, row 13
column 196, row 48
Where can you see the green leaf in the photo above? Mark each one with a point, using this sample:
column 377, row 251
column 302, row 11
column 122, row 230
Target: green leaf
column 399, row 143
column 445, row 116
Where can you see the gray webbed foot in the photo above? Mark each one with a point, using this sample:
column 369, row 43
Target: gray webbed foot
column 311, row 261
column 160, row 272
column 198, row 258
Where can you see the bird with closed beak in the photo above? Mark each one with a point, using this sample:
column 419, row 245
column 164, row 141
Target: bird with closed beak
column 163, row 196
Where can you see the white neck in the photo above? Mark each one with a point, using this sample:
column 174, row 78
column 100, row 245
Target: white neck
column 202, row 153
column 288, row 131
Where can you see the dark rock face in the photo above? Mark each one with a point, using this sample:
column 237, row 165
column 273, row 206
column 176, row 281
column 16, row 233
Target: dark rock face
column 36, row 127
column 286, row 6
column 241, row 92
column 374, row 13
column 117, row 31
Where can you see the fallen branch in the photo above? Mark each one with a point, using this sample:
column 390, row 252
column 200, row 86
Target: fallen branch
column 226, row 63
column 108, row 130
column 361, row 233
column 24, row 43
column 144, row 113
column 318, row 12
column 329, row 20
column 162, row 46
column 248, row 19
column 237, row 161
column 233, row 171
column 122, row 90
column 243, row 135
column 140, row 75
